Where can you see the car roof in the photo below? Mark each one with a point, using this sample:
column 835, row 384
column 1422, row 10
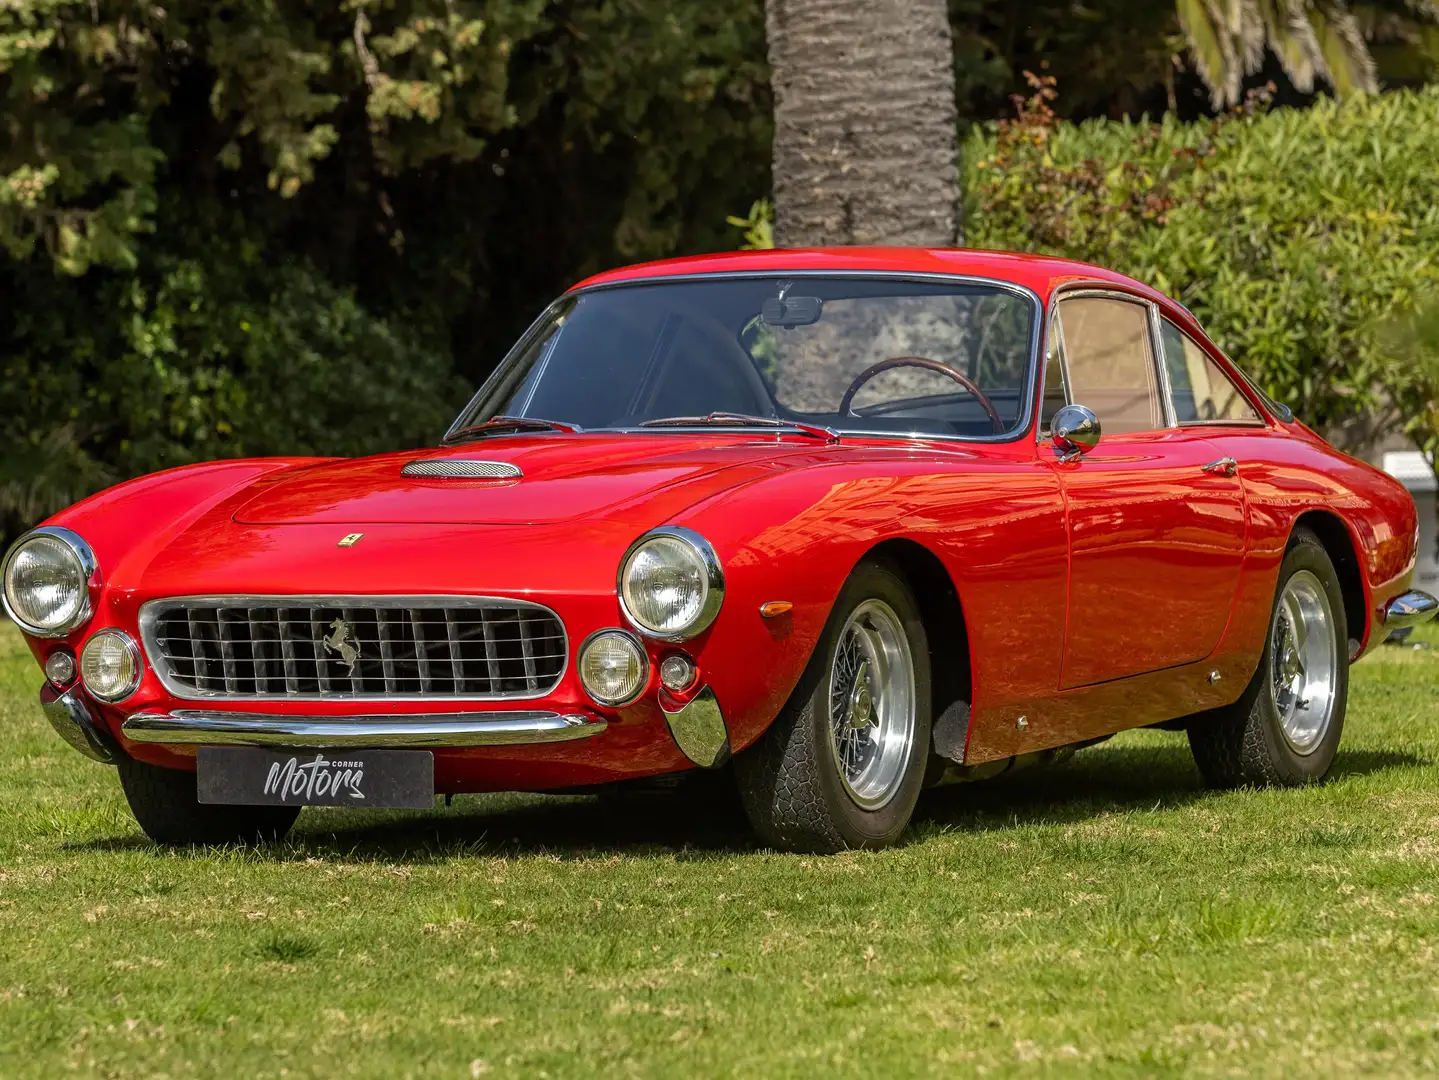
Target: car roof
column 1040, row 273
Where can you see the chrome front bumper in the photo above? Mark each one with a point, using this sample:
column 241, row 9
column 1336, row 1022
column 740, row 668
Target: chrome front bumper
column 404, row 730
column 1411, row 609
column 72, row 721
column 699, row 730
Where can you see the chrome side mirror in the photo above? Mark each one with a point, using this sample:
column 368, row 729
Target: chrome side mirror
column 1076, row 432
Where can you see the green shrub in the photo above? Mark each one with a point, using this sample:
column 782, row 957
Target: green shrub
column 259, row 228
column 1306, row 241
column 199, row 356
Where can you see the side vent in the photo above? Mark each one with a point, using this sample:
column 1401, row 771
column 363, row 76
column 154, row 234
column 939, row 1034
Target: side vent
column 463, row 468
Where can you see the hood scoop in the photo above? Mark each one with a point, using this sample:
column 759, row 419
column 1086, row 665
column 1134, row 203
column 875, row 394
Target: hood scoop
column 462, row 469
column 530, row 480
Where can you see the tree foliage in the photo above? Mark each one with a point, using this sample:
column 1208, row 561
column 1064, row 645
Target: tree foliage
column 259, row 227
column 1328, row 40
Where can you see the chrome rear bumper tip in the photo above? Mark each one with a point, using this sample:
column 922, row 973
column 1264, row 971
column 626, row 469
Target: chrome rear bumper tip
column 1410, row 609
column 432, row 730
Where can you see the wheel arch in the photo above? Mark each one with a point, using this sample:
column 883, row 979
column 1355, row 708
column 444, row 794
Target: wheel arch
column 1339, row 545
column 942, row 612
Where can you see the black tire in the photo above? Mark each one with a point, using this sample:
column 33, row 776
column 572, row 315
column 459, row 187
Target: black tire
column 164, row 803
column 1243, row 744
column 789, row 781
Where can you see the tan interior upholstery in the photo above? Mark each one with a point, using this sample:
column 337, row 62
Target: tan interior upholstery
column 1111, row 365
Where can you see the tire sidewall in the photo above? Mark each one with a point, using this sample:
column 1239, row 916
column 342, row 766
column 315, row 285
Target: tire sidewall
column 1305, row 553
column 858, row 826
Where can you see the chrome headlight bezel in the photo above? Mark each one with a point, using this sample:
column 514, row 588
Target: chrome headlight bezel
column 641, row 654
column 137, row 665
column 713, row 580
column 85, row 561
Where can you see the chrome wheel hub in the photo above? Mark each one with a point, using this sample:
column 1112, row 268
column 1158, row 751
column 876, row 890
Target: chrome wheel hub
column 1304, row 662
column 861, row 700
column 872, row 704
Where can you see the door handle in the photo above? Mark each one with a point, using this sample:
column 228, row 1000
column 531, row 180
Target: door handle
column 1225, row 466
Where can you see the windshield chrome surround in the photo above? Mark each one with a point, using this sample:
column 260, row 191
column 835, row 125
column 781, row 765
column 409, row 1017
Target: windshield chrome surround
column 1027, row 400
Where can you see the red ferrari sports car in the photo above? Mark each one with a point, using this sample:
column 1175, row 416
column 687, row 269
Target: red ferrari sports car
column 843, row 522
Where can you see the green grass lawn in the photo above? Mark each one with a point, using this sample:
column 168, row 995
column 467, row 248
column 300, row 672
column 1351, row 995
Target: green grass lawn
column 1107, row 916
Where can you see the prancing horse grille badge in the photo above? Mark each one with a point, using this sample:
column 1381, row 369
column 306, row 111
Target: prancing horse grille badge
column 344, row 642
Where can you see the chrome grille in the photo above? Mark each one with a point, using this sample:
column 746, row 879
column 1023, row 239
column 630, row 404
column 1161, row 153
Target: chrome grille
column 263, row 648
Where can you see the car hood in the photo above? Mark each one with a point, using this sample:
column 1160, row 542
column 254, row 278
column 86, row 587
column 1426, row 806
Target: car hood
column 563, row 477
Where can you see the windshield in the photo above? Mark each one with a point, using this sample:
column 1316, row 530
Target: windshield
column 861, row 355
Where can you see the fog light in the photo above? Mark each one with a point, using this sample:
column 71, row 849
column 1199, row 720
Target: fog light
column 110, row 665
column 613, row 667
column 60, row 668
column 677, row 672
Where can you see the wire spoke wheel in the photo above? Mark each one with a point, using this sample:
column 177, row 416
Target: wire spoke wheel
column 872, row 704
column 1304, row 662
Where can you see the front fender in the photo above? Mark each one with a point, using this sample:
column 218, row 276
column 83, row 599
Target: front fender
column 995, row 524
column 127, row 524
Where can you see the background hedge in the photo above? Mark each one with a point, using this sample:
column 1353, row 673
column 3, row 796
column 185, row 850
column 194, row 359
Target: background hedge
column 261, row 228
column 1305, row 240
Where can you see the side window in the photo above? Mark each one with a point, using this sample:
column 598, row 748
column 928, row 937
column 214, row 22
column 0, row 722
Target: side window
column 1054, row 398
column 1202, row 392
column 1111, row 365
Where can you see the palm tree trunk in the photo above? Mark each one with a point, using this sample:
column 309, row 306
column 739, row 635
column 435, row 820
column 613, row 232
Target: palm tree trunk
column 865, row 122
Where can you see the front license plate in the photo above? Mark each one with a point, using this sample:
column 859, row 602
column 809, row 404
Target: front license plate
column 253, row 777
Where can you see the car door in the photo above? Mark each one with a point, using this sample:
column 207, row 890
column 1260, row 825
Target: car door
column 1156, row 520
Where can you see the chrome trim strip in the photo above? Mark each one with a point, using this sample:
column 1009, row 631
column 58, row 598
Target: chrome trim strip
column 699, row 729
column 714, row 597
column 197, row 728
column 1022, row 426
column 89, row 565
column 1413, row 608
column 1052, row 329
column 151, row 610
column 1156, row 349
column 461, row 469
column 71, row 719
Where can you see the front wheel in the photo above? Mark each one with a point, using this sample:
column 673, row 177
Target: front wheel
column 165, row 804
column 842, row 765
column 1284, row 730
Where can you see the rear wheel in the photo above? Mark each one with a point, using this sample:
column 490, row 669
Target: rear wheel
column 843, row 763
column 164, row 803
column 1285, row 729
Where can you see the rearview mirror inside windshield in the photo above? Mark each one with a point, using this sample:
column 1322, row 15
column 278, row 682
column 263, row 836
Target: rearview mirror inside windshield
column 792, row 311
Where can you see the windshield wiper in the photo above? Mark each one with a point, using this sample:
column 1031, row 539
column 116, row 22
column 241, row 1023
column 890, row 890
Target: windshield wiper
column 732, row 419
column 506, row 425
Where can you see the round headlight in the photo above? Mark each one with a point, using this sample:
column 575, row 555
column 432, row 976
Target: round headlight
column 48, row 577
column 110, row 665
column 613, row 667
column 671, row 584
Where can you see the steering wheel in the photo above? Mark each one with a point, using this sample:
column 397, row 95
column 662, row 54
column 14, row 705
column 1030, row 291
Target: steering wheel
column 929, row 365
